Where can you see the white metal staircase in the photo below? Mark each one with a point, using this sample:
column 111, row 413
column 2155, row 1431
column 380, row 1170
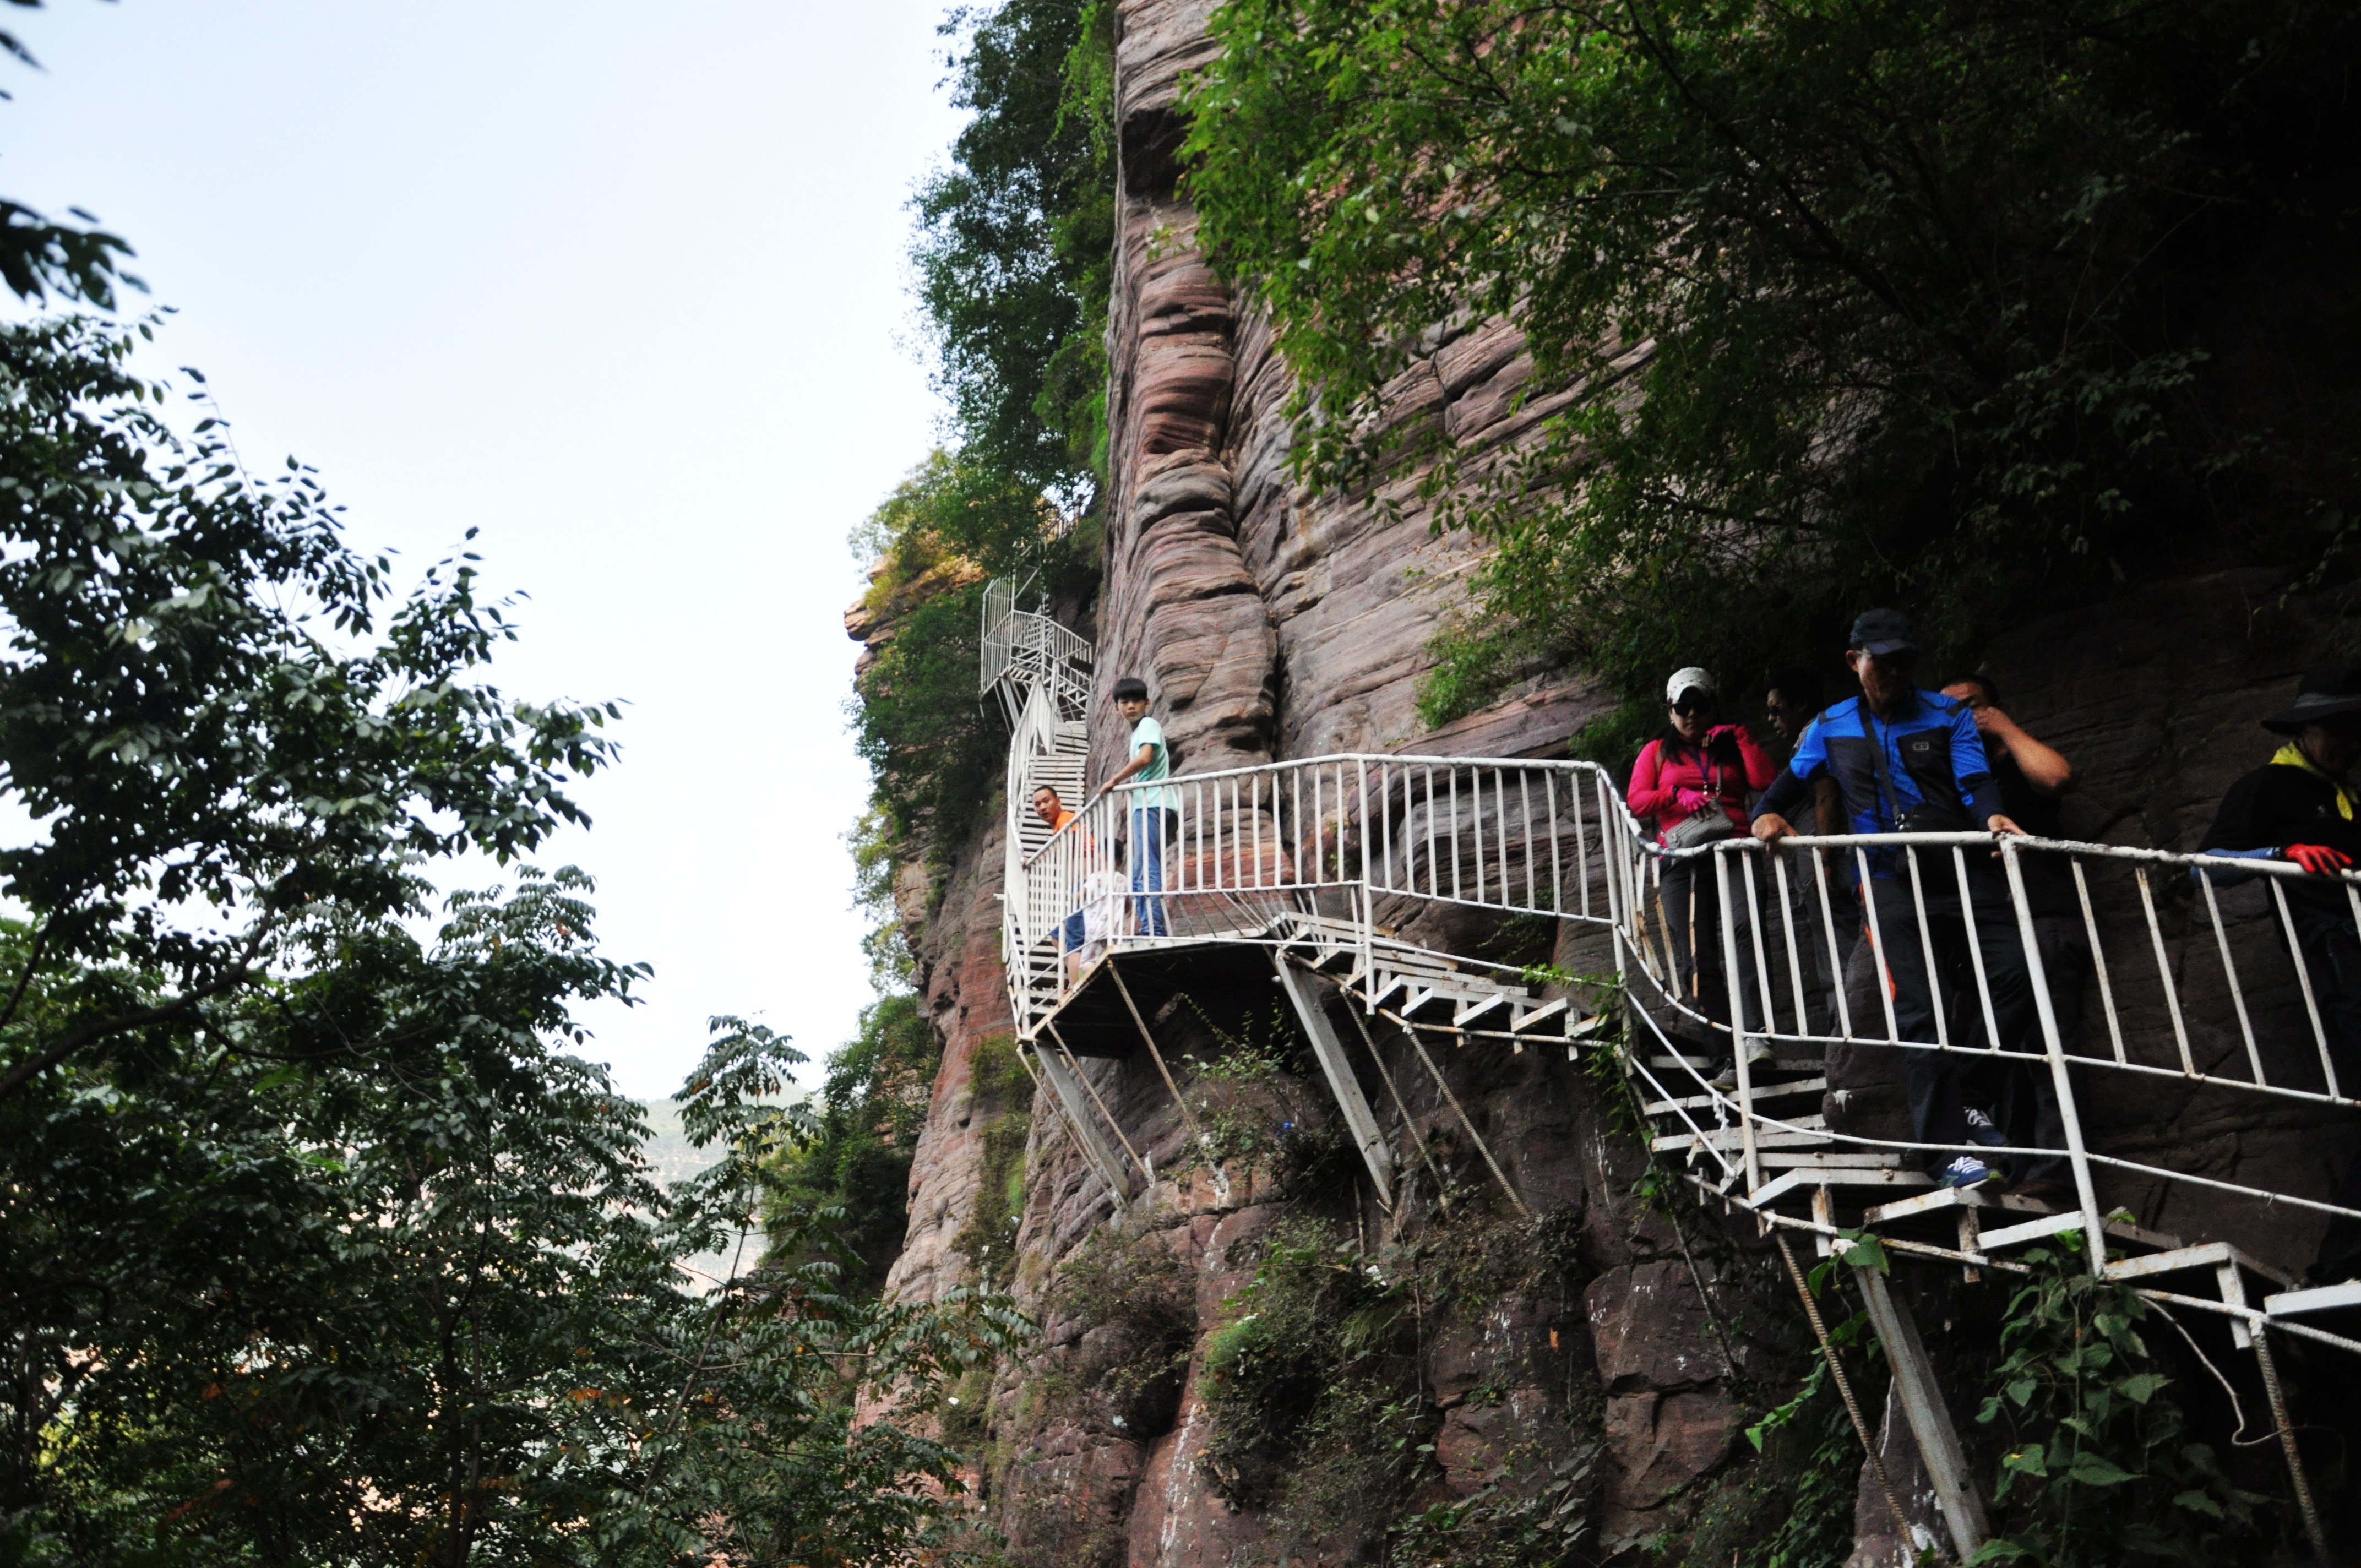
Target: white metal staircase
column 1329, row 867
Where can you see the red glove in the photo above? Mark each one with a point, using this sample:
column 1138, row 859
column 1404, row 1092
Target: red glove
column 2318, row 858
column 1691, row 801
column 1721, row 732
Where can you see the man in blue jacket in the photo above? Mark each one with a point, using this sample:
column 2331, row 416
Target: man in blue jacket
column 1910, row 761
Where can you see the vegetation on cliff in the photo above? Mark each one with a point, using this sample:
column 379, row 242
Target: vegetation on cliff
column 1977, row 308
column 1013, row 252
column 1016, row 242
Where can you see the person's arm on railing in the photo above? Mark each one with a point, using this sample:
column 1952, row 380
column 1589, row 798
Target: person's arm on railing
column 1786, row 793
column 1789, row 789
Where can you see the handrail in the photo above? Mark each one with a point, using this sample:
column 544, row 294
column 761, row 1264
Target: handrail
column 2191, row 987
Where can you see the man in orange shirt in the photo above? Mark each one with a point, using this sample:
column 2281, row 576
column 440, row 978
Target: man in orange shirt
column 1053, row 811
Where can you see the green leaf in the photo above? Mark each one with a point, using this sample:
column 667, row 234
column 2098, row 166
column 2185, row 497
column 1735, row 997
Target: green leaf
column 2094, row 1470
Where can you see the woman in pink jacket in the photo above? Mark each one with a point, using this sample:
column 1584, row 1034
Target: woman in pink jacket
column 1702, row 772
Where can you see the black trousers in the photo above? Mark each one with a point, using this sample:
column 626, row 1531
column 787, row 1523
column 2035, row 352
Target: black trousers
column 2020, row 1096
column 1692, row 912
column 2332, row 953
column 1935, row 1082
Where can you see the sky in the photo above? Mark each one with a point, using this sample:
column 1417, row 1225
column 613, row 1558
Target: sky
column 621, row 285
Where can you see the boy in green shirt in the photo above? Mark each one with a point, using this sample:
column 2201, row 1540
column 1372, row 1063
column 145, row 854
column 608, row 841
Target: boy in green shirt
column 1155, row 816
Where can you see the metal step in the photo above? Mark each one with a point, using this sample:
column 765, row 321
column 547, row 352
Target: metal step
column 1777, row 1064
column 1807, row 1178
column 1733, row 1138
column 1769, row 1092
column 2204, row 1254
column 2318, row 1298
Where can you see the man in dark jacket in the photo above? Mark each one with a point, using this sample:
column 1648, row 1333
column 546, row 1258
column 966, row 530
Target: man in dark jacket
column 1911, row 761
column 2298, row 807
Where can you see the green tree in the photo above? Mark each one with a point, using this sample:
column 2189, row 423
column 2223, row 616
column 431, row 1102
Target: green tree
column 316, row 1242
column 1831, row 302
column 378, row 1275
column 199, row 707
column 1016, row 239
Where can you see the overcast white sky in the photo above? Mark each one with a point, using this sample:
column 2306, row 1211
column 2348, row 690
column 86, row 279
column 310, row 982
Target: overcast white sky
column 620, row 284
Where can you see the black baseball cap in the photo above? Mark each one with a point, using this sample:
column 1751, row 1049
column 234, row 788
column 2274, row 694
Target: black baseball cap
column 1131, row 689
column 1882, row 631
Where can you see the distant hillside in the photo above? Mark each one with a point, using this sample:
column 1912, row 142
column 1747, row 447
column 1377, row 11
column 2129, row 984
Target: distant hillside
column 669, row 1150
column 674, row 1159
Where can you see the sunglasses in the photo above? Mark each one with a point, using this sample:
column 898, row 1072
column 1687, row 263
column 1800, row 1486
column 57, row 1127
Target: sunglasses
column 1688, row 705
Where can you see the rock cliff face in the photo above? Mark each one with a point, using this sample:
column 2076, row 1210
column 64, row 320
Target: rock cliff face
column 1270, row 625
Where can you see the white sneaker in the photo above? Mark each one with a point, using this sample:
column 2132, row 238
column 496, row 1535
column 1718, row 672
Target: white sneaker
column 1758, row 1051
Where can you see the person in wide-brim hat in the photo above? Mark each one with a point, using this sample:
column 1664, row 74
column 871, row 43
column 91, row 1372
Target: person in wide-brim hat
column 2322, row 696
column 2298, row 807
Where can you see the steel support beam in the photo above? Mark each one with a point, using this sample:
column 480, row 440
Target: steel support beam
column 1338, row 1067
column 1929, row 1417
column 1077, row 1118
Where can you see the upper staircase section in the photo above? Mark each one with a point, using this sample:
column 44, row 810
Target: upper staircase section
column 1026, row 651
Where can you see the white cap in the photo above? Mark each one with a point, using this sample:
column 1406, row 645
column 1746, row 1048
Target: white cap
column 1691, row 679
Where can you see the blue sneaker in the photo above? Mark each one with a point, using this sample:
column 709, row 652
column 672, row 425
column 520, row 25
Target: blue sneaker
column 1966, row 1171
column 1982, row 1131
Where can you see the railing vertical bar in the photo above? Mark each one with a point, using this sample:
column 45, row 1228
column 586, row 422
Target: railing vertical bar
column 1828, row 927
column 1295, row 829
column 1787, row 925
column 1433, row 873
column 1525, row 830
column 2098, row 957
column 1386, row 817
column 1369, row 902
column 1719, row 859
column 1761, row 952
column 1927, row 946
column 1581, row 855
column 2303, row 980
column 2094, row 1225
column 1453, row 772
column 1500, row 828
column 1476, row 810
column 1975, row 947
column 2164, row 971
column 2230, row 972
column 1877, row 949
column 1254, row 816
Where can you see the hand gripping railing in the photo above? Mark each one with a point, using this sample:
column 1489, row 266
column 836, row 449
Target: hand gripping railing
column 2147, row 990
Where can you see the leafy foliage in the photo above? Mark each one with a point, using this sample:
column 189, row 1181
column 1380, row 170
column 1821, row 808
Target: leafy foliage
column 1323, row 1333
column 1496, row 1526
column 1000, row 1103
column 1015, row 244
column 374, row 1272
column 2101, row 1467
column 316, row 1243
column 183, row 711
column 855, row 1156
column 1829, row 303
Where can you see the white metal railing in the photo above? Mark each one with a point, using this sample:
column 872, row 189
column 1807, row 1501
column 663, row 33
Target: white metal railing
column 1024, row 652
column 2204, row 973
